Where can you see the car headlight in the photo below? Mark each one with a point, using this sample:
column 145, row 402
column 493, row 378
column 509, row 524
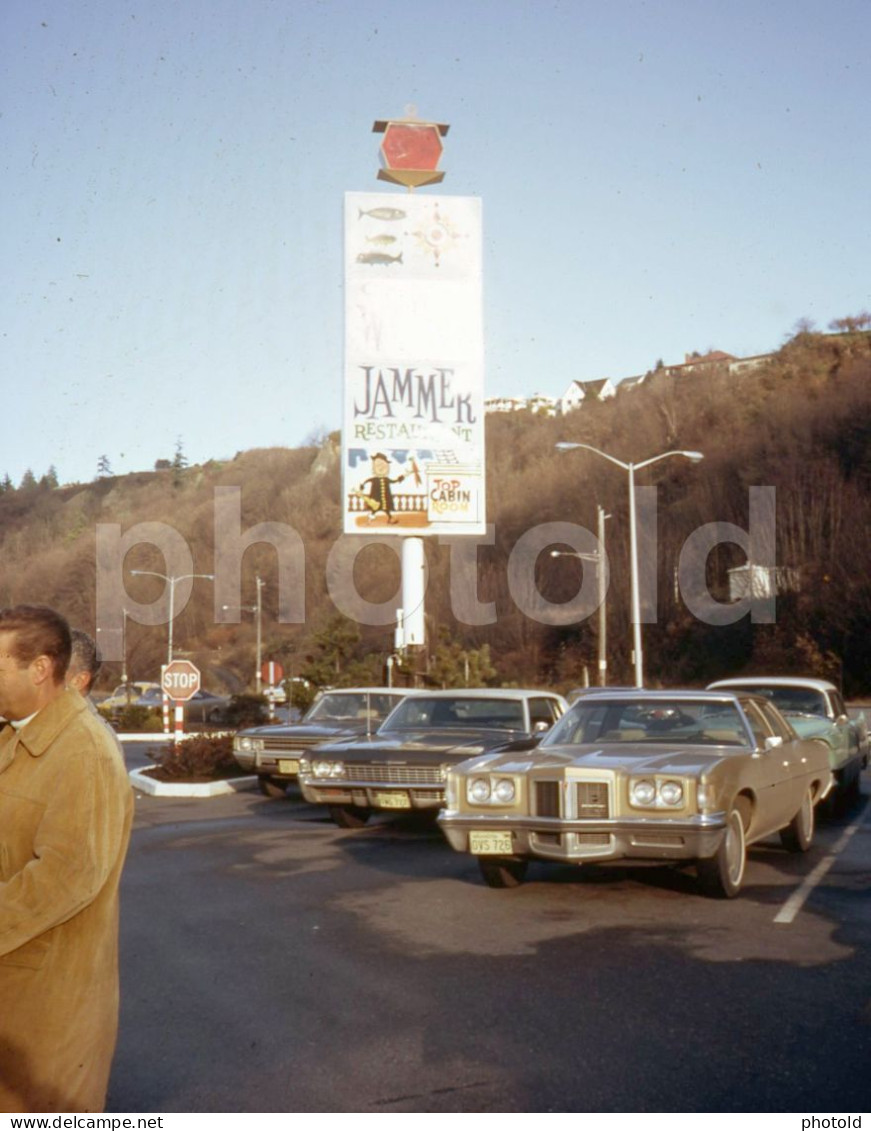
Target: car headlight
column 247, row 745
column 643, row 792
column 671, row 793
column 656, row 793
column 491, row 790
column 323, row 769
column 478, row 790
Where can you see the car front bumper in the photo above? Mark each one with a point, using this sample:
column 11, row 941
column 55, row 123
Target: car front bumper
column 555, row 838
column 270, row 764
column 391, row 796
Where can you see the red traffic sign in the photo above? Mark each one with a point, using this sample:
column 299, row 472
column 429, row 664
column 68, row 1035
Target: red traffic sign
column 180, row 680
column 272, row 672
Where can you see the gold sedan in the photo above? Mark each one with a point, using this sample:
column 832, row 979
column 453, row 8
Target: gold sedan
column 683, row 776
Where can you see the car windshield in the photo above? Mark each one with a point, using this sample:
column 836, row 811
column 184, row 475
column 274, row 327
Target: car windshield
column 793, row 700
column 341, row 706
column 462, row 711
column 691, row 721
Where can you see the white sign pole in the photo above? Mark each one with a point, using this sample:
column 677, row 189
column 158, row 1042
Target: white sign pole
column 413, row 591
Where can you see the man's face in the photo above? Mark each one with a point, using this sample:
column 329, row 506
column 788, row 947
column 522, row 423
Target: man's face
column 18, row 689
column 380, row 466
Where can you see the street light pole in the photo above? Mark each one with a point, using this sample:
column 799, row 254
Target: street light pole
column 602, row 589
column 171, row 582
column 631, row 468
column 257, row 610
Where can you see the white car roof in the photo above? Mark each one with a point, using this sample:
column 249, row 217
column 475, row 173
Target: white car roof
column 751, row 681
column 487, row 693
column 366, row 691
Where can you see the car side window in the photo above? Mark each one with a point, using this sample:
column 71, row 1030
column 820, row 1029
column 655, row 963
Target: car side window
column 838, row 706
column 542, row 711
column 758, row 725
column 777, row 723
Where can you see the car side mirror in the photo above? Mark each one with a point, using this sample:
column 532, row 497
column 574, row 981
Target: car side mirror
column 841, row 720
column 773, row 740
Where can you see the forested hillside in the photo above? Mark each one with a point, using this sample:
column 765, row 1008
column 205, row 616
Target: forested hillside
column 799, row 423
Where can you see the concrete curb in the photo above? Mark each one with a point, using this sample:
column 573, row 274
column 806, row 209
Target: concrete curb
column 140, row 780
column 159, row 736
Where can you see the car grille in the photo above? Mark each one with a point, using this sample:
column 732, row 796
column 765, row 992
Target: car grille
column 287, row 743
column 547, row 799
column 396, row 775
column 591, row 799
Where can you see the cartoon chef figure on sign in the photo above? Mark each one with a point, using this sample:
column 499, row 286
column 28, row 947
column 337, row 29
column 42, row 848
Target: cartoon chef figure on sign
column 376, row 491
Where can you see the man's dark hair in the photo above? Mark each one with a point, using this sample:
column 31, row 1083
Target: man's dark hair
column 85, row 657
column 39, row 631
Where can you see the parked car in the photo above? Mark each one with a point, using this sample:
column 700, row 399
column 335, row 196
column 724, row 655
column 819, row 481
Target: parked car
column 816, row 709
column 682, row 776
column 124, row 695
column 273, row 752
column 202, row 707
column 403, row 766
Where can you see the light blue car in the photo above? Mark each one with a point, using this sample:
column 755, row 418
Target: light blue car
column 816, row 709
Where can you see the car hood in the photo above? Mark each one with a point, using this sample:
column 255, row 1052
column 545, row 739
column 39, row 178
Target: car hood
column 419, row 746
column 311, row 732
column 630, row 757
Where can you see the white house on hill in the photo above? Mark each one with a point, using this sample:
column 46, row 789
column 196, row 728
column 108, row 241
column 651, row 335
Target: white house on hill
column 580, row 391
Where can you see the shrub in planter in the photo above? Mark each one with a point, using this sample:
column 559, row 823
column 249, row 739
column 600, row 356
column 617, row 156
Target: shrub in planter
column 201, row 757
column 134, row 718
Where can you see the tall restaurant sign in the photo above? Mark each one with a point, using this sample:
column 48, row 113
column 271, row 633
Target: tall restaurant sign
column 413, row 436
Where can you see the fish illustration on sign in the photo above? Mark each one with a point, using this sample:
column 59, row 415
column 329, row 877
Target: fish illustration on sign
column 382, row 213
column 381, row 240
column 378, row 258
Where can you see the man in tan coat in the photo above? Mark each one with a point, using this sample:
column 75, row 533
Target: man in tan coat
column 65, row 815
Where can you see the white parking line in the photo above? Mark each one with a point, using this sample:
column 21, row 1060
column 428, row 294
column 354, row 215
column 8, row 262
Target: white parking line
column 797, row 900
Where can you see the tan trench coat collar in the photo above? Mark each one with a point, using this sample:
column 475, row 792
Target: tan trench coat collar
column 43, row 729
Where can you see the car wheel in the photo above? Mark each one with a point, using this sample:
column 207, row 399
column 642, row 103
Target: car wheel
column 270, row 787
column 723, row 874
column 503, row 873
column 349, row 816
column 799, row 833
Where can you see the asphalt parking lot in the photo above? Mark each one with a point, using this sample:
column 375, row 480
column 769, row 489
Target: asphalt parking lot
column 272, row 962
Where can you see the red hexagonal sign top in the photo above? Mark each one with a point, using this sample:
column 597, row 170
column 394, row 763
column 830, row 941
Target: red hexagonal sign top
column 180, row 680
column 409, row 145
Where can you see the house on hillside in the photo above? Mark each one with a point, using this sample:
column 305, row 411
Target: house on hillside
column 743, row 364
column 629, row 383
column 543, row 405
column 505, row 404
column 537, row 403
column 580, row 391
column 751, row 580
column 700, row 363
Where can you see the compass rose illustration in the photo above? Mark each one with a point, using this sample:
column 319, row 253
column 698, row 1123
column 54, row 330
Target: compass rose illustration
column 436, row 235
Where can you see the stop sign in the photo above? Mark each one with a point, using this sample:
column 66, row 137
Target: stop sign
column 180, row 680
column 272, row 672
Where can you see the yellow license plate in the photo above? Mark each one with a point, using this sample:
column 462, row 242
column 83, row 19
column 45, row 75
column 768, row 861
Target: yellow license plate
column 490, row 844
column 288, row 765
column 396, row 800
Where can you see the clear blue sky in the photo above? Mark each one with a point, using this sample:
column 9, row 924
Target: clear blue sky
column 656, row 178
